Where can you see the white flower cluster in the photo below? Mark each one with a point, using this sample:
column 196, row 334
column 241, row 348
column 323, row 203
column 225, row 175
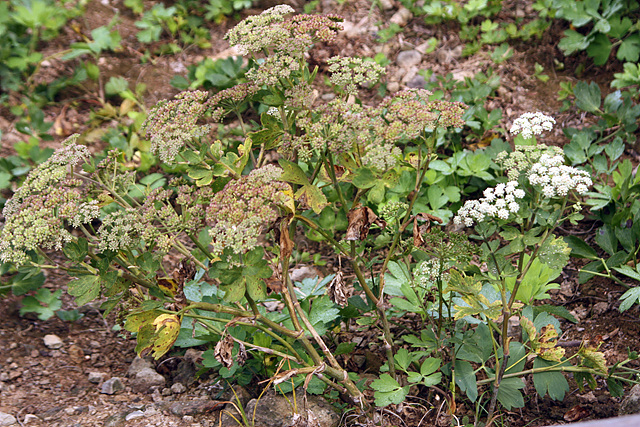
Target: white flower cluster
column 556, row 178
column 530, row 124
column 498, row 202
column 427, row 273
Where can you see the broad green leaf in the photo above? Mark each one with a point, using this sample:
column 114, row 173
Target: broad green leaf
column 429, row 366
column 44, row 303
column 402, row 359
column 323, row 310
column 579, row 248
column 509, row 394
column 587, row 96
column 572, row 42
column 85, row 288
column 364, row 178
column 466, row 379
column 629, row 49
column 599, row 48
column 388, row 391
column 26, row 282
column 552, row 383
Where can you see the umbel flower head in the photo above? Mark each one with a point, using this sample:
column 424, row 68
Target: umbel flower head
column 173, row 123
column 48, row 200
column 530, row 124
column 238, row 213
column 499, row 202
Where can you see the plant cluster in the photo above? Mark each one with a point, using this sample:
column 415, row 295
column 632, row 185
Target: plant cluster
column 373, row 184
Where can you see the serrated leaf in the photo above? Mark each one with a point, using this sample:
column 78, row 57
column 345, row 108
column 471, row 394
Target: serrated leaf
column 44, row 303
column 85, row 288
column 587, row 96
column 629, row 49
column 630, row 297
column 388, row 391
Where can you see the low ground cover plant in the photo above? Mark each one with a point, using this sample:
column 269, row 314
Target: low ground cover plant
column 189, row 255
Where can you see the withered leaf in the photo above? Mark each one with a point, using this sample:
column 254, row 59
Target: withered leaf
column 360, row 219
column 223, row 351
column 337, row 290
column 576, row 413
column 242, row 354
column 286, row 244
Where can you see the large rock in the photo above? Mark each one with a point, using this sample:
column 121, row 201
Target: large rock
column 276, row 411
column 7, row 419
column 631, row 403
column 138, row 365
column 146, row 379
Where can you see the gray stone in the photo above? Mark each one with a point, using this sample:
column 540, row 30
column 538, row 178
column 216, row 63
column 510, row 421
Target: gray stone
column 401, row 17
column 7, row 419
column 276, row 411
column 147, row 378
column 408, row 58
column 116, row 420
column 138, row 365
column 133, row 415
column 631, row 402
column 417, row 82
column 178, row 388
column 304, row 272
column 112, row 386
column 96, row 377
column 53, row 341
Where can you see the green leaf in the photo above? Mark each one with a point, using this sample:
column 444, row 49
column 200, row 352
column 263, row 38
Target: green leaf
column 599, row 49
column 25, row 282
column 629, row 49
column 364, row 178
column 579, row 248
column 509, row 394
column 572, row 42
column 466, row 379
column 556, row 310
column 76, row 251
column 606, row 239
column 402, row 359
column 116, row 85
column 44, row 303
column 388, row 391
column 630, row 297
column 323, row 310
column 552, row 383
column 587, row 96
column 430, row 365
column 85, row 288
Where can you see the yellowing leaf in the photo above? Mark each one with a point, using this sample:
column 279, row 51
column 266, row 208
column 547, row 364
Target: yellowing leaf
column 593, row 358
column 167, row 330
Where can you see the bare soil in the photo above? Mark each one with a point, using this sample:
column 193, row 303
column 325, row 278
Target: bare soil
column 53, row 384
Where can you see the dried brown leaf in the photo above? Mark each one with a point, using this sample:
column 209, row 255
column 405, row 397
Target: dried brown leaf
column 223, row 351
column 338, row 291
column 360, row 219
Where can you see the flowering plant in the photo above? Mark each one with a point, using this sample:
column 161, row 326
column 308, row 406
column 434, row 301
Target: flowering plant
column 195, row 257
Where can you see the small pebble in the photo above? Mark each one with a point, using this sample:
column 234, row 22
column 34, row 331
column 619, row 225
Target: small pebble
column 133, row 415
column 52, row 341
column 112, row 386
column 178, row 388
